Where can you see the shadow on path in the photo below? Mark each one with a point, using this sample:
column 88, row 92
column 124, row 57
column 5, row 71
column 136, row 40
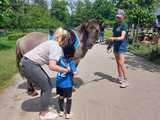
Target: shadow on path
column 33, row 105
column 135, row 62
column 138, row 62
column 77, row 83
column 102, row 76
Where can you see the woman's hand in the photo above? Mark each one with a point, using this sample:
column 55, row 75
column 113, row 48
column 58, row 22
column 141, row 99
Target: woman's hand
column 68, row 69
column 122, row 37
column 53, row 66
column 111, row 38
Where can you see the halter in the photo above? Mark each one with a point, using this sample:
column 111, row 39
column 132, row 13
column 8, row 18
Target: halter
column 74, row 39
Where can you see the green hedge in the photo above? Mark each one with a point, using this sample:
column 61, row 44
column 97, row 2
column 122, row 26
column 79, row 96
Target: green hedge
column 7, row 58
column 15, row 36
column 150, row 52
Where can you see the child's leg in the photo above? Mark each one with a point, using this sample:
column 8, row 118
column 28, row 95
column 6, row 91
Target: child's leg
column 57, row 91
column 69, row 100
column 61, row 103
column 68, row 105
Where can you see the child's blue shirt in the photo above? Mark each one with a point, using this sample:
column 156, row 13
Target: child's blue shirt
column 65, row 80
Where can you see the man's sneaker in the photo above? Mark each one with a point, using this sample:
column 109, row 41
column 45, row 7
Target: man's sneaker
column 124, row 84
column 67, row 116
column 61, row 113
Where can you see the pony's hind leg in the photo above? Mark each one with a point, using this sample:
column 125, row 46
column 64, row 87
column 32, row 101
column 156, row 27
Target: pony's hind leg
column 30, row 89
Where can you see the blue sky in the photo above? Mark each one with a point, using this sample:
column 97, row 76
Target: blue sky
column 49, row 3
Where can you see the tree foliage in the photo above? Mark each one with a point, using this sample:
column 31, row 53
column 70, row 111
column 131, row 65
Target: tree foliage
column 139, row 12
column 23, row 14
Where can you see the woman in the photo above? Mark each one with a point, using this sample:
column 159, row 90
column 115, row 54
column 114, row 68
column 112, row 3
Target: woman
column 49, row 53
column 120, row 47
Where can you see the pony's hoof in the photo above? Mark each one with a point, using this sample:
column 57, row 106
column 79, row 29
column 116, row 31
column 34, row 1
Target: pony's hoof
column 32, row 93
column 74, row 89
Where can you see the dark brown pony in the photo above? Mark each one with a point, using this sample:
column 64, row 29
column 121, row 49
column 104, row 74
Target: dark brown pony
column 87, row 33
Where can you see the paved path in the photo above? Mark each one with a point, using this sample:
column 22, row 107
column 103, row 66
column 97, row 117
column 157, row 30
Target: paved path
column 97, row 98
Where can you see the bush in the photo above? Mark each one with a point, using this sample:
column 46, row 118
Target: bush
column 155, row 54
column 150, row 52
column 15, row 36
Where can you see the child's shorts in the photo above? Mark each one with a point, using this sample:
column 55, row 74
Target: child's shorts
column 65, row 92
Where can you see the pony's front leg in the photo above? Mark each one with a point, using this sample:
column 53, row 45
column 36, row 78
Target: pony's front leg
column 77, row 61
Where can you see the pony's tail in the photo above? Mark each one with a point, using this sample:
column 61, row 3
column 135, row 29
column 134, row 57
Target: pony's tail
column 18, row 57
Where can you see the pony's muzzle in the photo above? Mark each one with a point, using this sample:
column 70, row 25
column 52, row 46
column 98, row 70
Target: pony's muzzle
column 89, row 45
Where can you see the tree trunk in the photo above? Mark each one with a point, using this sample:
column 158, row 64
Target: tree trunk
column 137, row 32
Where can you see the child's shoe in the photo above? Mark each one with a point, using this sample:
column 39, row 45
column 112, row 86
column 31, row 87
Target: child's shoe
column 61, row 113
column 67, row 116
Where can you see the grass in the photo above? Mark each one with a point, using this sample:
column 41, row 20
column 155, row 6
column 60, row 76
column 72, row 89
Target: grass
column 148, row 52
column 7, row 56
column 7, row 67
column 140, row 49
column 108, row 33
column 7, row 59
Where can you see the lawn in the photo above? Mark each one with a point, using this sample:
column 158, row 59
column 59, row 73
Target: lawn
column 7, row 58
column 149, row 52
column 8, row 66
column 108, row 33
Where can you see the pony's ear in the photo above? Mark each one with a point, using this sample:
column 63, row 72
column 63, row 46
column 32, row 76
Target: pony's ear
column 83, row 27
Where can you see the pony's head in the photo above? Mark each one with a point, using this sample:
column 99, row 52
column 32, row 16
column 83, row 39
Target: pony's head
column 90, row 31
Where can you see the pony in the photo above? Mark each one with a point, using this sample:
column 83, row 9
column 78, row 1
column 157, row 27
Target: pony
column 87, row 33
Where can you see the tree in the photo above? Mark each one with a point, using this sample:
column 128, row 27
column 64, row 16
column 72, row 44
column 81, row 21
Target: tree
column 60, row 11
column 42, row 3
column 139, row 12
column 83, row 12
column 100, row 9
column 104, row 9
column 39, row 17
column 5, row 12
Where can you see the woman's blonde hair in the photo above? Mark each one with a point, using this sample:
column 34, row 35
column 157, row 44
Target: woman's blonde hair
column 60, row 32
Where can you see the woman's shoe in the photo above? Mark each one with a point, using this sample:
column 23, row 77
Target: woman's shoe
column 124, row 84
column 48, row 116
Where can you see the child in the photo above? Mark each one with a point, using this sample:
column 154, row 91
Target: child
column 64, row 81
